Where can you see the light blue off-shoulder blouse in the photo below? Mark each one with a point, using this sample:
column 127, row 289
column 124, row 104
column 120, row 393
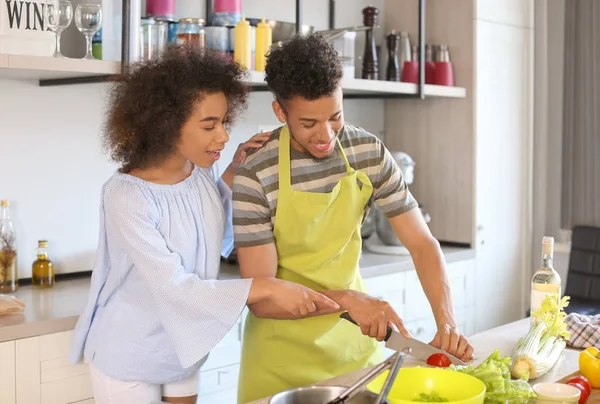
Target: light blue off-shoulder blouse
column 155, row 308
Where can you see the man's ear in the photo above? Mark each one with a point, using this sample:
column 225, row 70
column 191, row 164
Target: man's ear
column 279, row 111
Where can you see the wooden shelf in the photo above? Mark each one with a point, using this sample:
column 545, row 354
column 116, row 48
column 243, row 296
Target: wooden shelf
column 356, row 88
column 25, row 67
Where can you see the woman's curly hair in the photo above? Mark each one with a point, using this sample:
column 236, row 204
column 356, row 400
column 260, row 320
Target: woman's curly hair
column 149, row 106
column 306, row 66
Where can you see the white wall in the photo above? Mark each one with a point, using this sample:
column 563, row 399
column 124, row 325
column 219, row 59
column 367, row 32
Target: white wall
column 52, row 165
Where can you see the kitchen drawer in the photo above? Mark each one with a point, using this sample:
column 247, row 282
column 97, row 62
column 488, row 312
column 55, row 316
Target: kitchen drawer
column 57, row 345
column 228, row 351
column 44, row 374
column 417, row 305
column 7, row 373
column 390, row 288
column 219, row 379
column 67, row 390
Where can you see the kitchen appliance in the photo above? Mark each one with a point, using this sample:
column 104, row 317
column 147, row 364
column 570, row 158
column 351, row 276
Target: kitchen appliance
column 398, row 342
column 384, row 239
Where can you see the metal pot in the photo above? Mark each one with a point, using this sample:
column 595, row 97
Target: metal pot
column 368, row 226
column 384, row 229
column 281, row 30
column 321, row 395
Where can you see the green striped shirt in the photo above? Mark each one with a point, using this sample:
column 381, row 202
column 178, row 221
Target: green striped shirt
column 256, row 183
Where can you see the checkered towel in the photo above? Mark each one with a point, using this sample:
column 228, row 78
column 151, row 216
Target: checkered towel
column 585, row 330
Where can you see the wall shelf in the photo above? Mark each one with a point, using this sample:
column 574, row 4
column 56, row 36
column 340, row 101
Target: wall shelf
column 51, row 71
column 60, row 71
column 360, row 88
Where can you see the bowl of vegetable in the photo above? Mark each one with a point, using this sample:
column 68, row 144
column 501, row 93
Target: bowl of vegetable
column 432, row 385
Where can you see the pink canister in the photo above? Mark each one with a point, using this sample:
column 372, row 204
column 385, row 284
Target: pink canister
column 160, row 8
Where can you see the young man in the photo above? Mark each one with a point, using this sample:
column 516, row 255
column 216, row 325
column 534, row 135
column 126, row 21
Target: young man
column 298, row 206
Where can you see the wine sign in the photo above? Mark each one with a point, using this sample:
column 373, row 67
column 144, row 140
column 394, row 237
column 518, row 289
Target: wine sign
column 23, row 29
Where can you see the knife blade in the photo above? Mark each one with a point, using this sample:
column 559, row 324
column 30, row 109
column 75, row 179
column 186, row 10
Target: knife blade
column 398, row 342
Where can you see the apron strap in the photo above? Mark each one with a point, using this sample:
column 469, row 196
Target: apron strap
column 349, row 169
column 285, row 165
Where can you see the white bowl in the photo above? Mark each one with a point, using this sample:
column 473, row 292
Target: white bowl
column 553, row 392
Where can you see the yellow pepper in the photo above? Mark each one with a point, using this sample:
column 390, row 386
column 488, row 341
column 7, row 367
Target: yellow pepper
column 589, row 366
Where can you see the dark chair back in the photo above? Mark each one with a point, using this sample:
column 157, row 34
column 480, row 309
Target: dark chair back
column 583, row 279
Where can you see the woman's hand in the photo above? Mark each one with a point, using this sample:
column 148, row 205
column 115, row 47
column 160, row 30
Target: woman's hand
column 292, row 298
column 373, row 315
column 255, row 142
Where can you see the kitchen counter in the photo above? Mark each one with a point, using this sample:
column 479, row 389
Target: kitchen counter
column 57, row 309
column 503, row 338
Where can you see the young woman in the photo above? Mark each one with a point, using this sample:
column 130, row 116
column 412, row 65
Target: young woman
column 156, row 309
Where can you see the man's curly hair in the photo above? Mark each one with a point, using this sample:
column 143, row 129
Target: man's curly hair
column 306, row 66
column 149, row 106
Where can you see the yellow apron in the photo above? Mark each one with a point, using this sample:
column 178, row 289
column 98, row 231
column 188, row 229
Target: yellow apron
column 318, row 245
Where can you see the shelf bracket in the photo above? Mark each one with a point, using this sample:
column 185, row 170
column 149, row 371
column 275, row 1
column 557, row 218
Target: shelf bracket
column 422, row 49
column 331, row 14
column 298, row 16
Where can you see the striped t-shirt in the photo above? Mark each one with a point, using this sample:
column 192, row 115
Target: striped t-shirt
column 256, row 183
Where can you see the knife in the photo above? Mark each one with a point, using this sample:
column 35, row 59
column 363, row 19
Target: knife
column 398, row 342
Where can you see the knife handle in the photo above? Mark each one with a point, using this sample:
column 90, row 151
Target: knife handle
column 346, row 316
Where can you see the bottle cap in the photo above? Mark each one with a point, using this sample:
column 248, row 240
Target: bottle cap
column 5, row 203
column 262, row 23
column 548, row 245
column 43, row 243
column 243, row 21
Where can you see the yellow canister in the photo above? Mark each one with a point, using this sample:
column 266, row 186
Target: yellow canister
column 242, row 52
column 264, row 39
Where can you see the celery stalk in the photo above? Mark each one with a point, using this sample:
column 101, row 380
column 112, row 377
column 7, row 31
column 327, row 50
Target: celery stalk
column 540, row 349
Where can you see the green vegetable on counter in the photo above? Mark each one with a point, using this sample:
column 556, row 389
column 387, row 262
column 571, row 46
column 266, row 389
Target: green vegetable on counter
column 494, row 372
column 431, row 398
column 539, row 350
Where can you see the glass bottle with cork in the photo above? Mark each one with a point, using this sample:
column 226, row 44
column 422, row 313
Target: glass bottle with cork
column 42, row 270
column 9, row 276
column 545, row 280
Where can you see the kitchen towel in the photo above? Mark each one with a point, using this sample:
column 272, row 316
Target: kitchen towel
column 585, row 330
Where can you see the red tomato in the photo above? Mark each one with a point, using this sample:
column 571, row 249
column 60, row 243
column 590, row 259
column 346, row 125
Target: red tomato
column 584, row 394
column 439, row 360
column 583, row 381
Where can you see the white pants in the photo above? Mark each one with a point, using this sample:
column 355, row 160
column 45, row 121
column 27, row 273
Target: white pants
column 111, row 391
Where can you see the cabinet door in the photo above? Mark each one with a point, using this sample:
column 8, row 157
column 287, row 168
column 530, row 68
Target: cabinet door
column 44, row 374
column 7, row 373
column 503, row 156
column 417, row 305
column 390, row 288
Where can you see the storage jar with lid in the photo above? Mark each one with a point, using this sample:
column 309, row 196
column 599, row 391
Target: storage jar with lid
column 190, row 32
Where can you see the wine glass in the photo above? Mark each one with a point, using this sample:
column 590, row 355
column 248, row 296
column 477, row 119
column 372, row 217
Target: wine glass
column 88, row 18
column 59, row 14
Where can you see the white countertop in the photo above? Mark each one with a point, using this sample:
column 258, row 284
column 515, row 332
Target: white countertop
column 57, row 309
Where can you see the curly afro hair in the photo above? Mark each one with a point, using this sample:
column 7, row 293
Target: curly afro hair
column 306, row 66
column 149, row 106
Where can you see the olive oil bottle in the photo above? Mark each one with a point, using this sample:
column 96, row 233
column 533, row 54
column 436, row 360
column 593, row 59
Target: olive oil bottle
column 42, row 270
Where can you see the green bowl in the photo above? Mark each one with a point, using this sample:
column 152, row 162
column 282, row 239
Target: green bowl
column 453, row 387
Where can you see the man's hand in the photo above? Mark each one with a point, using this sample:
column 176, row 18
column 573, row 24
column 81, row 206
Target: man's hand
column 449, row 339
column 372, row 315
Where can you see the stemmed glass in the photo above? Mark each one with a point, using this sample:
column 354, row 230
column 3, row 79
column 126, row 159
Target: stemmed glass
column 88, row 18
column 59, row 14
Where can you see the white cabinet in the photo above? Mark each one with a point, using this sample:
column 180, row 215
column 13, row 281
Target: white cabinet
column 7, row 373
column 44, row 374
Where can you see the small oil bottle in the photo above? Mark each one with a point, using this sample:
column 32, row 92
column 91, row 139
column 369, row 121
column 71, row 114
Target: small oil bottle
column 42, row 270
